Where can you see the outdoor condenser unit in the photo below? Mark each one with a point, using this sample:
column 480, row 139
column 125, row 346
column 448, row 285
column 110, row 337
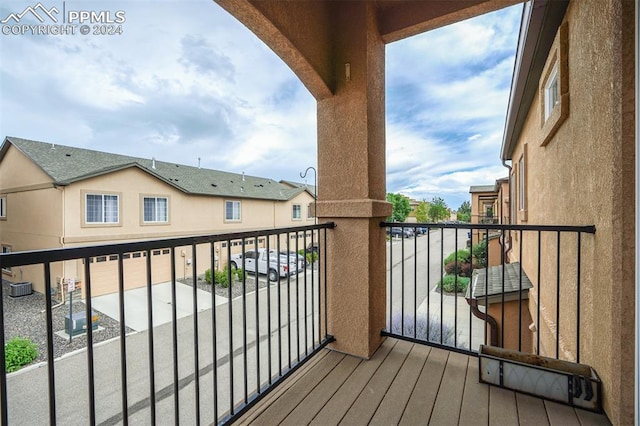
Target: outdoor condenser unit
column 77, row 324
column 20, row 289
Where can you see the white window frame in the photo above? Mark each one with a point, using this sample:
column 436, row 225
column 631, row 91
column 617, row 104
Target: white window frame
column 104, row 218
column 236, row 211
column 3, row 206
column 551, row 92
column 156, row 211
column 6, row 249
column 294, row 208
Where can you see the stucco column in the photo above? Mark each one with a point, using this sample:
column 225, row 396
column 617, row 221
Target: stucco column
column 351, row 181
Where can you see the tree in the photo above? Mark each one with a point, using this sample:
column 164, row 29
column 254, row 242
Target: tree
column 464, row 212
column 401, row 207
column 438, row 210
column 422, row 212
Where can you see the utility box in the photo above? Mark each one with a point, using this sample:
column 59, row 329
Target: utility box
column 20, row 289
column 77, row 323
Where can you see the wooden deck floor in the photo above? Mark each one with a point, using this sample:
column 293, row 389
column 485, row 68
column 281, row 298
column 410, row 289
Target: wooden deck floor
column 405, row 384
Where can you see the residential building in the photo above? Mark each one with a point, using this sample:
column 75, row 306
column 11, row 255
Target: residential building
column 337, row 49
column 570, row 137
column 56, row 196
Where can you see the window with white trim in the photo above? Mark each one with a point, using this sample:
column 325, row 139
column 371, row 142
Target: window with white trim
column 6, row 249
column 232, row 211
column 3, row 207
column 551, row 92
column 296, row 212
column 102, row 208
column 156, row 209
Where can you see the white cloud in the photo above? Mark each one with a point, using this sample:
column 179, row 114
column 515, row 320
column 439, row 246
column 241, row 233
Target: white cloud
column 186, row 80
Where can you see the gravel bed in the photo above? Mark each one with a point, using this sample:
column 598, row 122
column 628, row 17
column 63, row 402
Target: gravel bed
column 236, row 288
column 25, row 317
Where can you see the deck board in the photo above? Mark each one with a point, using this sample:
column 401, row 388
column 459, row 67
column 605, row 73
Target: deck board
column 404, row 383
column 531, row 410
column 393, row 404
column 342, row 400
column 420, row 405
column 502, row 407
column 475, row 400
column 369, row 399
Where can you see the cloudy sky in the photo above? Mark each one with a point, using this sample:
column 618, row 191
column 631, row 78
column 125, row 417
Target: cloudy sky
column 186, row 80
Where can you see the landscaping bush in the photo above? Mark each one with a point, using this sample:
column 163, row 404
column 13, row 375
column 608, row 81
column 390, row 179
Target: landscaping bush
column 462, row 269
column 480, row 253
column 208, row 276
column 221, row 278
column 425, row 329
column 462, row 256
column 448, row 284
column 18, row 353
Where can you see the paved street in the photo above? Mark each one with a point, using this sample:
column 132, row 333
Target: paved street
column 420, row 272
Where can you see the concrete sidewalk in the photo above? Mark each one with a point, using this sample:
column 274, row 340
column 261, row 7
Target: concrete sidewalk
column 135, row 303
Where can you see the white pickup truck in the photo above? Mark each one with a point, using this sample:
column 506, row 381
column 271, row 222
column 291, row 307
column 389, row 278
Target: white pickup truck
column 257, row 260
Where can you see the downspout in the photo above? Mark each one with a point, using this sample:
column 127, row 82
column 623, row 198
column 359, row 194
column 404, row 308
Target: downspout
column 504, row 163
column 493, row 324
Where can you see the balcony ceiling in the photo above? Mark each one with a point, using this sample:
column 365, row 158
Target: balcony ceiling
column 307, row 34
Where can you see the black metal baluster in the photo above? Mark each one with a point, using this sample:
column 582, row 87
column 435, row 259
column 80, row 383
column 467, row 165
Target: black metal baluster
column 259, row 381
column 196, row 351
column 322, row 255
column 174, row 332
column 441, row 287
column 152, row 376
column 245, row 360
column 214, row 333
column 558, row 298
column 520, row 297
column 89, row 319
column 538, row 295
column 455, row 291
column 279, row 295
column 50, row 353
column 306, row 323
column 578, row 299
column 471, row 293
column 415, row 283
column 231, row 360
column 123, row 340
column 313, row 303
column 298, row 309
column 269, row 308
column 428, row 337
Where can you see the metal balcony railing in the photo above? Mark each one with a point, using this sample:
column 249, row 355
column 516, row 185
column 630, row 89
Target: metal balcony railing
column 206, row 368
column 485, row 219
column 518, row 287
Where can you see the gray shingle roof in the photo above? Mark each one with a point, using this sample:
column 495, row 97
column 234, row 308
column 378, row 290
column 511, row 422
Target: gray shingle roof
column 495, row 286
column 66, row 165
column 482, row 188
column 310, row 188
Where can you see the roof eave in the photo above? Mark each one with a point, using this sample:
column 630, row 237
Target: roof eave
column 540, row 22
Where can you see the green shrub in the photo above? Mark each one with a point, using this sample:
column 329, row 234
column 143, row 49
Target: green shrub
column 221, row 278
column 448, row 284
column 19, row 352
column 462, row 255
column 240, row 273
column 480, row 253
column 208, row 276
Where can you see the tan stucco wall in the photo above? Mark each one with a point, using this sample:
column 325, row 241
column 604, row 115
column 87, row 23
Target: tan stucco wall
column 585, row 176
column 34, row 214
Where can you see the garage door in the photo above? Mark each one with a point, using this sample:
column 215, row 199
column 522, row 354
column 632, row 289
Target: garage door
column 104, row 271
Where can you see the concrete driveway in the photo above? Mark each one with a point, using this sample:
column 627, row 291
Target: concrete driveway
column 135, row 304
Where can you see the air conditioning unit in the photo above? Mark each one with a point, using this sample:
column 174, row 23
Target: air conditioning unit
column 20, row 289
column 77, row 323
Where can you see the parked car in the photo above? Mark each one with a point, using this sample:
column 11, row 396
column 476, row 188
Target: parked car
column 298, row 259
column 398, row 231
column 256, row 261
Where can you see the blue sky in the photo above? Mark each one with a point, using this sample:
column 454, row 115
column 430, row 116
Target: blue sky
column 186, row 80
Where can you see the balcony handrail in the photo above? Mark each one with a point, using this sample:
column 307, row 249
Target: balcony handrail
column 588, row 229
column 34, row 257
